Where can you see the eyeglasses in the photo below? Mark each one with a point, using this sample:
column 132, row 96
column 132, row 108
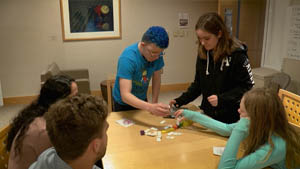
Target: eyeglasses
column 154, row 54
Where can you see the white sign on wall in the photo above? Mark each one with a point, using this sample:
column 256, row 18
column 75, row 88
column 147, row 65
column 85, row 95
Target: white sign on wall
column 183, row 20
column 1, row 97
column 293, row 32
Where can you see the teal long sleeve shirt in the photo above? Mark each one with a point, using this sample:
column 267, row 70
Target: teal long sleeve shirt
column 238, row 132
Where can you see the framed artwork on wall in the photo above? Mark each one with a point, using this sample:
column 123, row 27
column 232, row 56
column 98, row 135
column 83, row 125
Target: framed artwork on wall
column 90, row 19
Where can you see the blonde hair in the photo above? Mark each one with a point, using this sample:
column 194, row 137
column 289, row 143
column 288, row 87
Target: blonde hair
column 213, row 23
column 268, row 117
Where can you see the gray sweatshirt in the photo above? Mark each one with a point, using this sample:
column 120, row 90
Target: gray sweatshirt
column 50, row 160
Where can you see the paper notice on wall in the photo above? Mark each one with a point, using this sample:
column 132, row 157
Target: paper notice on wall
column 183, row 20
column 1, row 96
column 293, row 32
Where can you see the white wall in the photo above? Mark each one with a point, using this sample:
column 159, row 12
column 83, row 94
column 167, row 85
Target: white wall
column 276, row 15
column 31, row 38
column 1, row 97
column 275, row 41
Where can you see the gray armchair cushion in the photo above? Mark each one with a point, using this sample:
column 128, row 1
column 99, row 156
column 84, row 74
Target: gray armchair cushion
column 291, row 67
column 51, row 70
column 81, row 76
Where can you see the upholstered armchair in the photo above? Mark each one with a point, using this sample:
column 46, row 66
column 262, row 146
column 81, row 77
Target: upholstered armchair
column 81, row 76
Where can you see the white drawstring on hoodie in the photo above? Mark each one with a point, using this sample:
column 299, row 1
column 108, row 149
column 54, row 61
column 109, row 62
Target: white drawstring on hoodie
column 221, row 68
column 207, row 62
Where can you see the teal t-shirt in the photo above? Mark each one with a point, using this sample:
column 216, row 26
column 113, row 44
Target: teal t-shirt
column 238, row 132
column 133, row 66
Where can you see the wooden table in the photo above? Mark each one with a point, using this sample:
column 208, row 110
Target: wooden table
column 127, row 149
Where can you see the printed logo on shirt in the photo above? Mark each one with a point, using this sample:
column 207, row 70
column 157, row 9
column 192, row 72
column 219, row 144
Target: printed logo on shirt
column 138, row 87
column 137, row 83
column 247, row 65
column 144, row 76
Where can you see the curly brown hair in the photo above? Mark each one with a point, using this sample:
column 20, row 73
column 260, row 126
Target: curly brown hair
column 74, row 122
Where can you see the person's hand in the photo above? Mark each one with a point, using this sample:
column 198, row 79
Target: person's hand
column 243, row 112
column 172, row 102
column 178, row 114
column 160, row 109
column 243, row 115
column 213, row 100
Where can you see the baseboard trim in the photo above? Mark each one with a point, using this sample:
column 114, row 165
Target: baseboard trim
column 29, row 99
column 18, row 100
column 172, row 87
column 96, row 93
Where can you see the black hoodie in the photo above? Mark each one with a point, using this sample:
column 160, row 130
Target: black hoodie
column 229, row 79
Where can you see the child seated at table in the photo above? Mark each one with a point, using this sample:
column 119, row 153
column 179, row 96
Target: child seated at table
column 263, row 128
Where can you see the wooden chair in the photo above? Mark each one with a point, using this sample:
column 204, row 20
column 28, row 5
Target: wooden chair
column 106, row 89
column 110, row 83
column 4, row 155
column 291, row 103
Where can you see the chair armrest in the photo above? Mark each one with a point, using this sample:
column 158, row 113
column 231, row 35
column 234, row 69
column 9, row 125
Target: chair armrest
column 81, row 77
column 83, row 86
column 77, row 73
column 44, row 76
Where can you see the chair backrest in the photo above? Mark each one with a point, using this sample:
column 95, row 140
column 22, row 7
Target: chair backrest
column 281, row 79
column 4, row 155
column 110, row 83
column 291, row 103
column 106, row 90
column 51, row 70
